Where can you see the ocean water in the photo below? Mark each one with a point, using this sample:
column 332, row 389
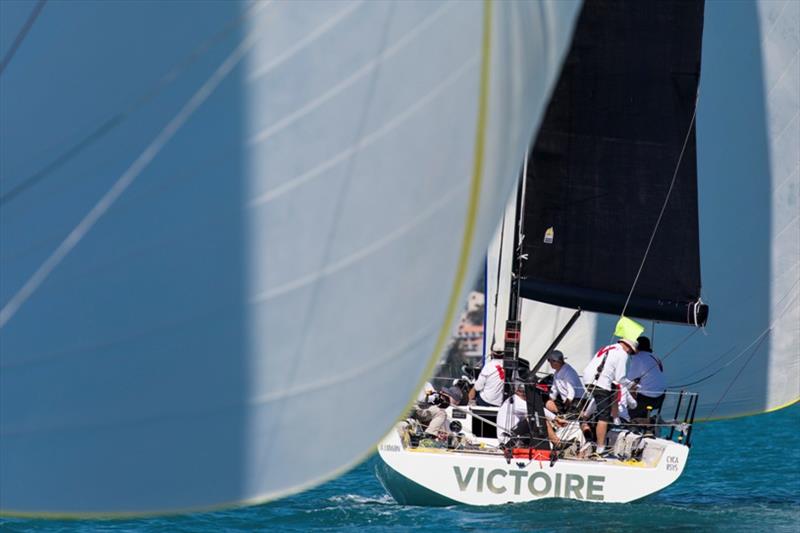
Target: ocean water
column 742, row 475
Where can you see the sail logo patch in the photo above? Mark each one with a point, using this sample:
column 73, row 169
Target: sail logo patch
column 548, row 235
column 538, row 483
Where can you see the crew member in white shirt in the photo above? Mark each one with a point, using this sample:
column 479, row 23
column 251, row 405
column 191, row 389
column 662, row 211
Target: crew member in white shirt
column 567, row 387
column 511, row 412
column 647, row 371
column 512, row 420
column 434, row 416
column 488, row 388
column 599, row 382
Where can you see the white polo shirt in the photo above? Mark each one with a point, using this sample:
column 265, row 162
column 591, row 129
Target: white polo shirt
column 613, row 370
column 647, row 366
column 491, row 380
column 510, row 413
column 567, row 384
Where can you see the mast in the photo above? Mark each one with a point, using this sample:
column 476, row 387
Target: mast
column 513, row 325
column 517, row 369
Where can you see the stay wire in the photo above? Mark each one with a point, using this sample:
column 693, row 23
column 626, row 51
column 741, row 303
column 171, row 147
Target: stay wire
column 592, row 385
column 673, row 350
column 755, row 345
column 663, row 207
column 739, row 373
column 758, row 340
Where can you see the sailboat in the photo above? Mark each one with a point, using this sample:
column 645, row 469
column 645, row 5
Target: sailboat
column 218, row 219
column 616, row 143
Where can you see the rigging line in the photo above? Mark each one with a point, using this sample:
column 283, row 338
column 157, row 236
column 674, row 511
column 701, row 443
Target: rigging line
column 780, row 316
column 663, row 208
column 125, row 180
column 758, row 340
column 725, row 354
column 23, row 32
column 118, row 118
column 681, row 343
column 673, row 350
column 739, row 373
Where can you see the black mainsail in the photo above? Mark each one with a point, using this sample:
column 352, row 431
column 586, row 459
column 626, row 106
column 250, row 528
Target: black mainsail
column 620, row 117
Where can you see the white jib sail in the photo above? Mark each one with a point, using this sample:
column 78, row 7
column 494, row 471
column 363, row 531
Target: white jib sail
column 230, row 290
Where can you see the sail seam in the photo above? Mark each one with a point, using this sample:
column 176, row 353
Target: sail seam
column 396, row 354
column 366, row 141
column 360, row 254
column 318, row 32
column 126, row 179
column 786, row 67
column 786, row 127
column 475, row 187
column 365, row 69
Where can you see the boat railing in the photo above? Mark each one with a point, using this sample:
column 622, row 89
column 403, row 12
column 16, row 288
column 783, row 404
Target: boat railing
column 676, row 417
column 672, row 421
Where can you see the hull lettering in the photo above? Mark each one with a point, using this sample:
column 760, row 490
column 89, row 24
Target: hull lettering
column 539, row 483
column 463, row 482
column 544, row 487
column 490, row 481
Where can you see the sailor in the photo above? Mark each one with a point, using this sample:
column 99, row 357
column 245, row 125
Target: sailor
column 647, row 371
column 604, row 369
column 567, row 387
column 488, row 388
column 513, row 422
column 435, row 415
column 511, row 412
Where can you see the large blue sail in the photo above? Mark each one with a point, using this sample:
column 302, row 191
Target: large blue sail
column 218, row 220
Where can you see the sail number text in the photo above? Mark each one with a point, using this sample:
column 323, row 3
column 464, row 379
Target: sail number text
column 672, row 463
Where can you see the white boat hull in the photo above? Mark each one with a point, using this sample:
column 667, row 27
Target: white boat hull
column 425, row 476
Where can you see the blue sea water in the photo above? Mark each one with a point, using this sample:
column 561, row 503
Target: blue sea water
column 742, row 475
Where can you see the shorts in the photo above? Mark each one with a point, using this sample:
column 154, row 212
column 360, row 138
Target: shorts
column 483, row 403
column 643, row 402
column 573, row 408
column 604, row 400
